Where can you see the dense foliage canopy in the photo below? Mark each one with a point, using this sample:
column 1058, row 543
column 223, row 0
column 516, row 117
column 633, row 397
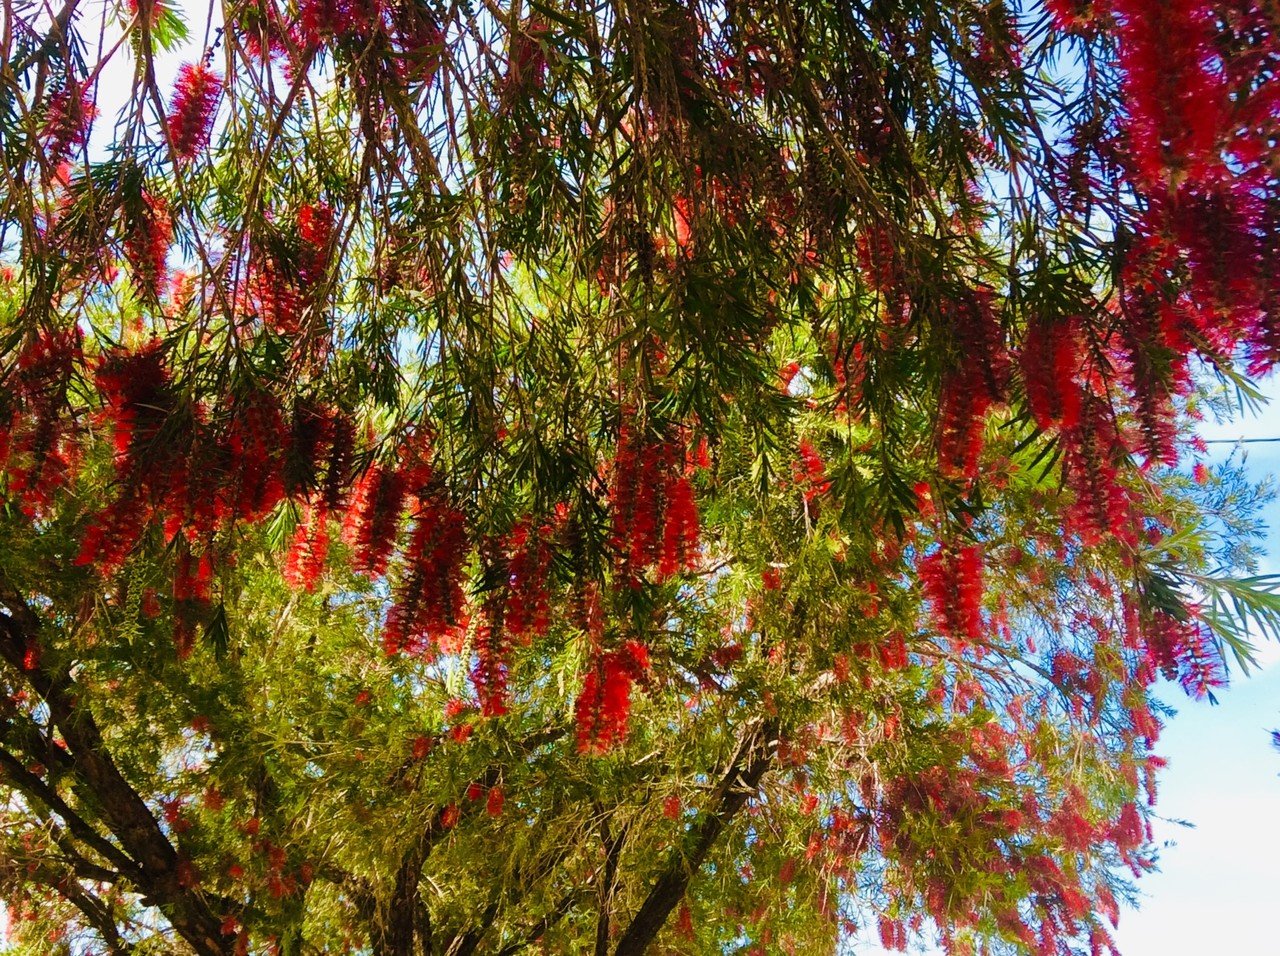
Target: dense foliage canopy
column 602, row 477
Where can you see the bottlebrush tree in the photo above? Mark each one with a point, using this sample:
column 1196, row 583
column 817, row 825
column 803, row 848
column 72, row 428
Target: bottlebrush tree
column 648, row 476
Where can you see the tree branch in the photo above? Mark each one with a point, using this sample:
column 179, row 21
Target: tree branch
column 467, row 943
column 608, row 880
column 153, row 858
column 539, row 929
column 98, row 916
column 393, row 921
column 31, row 786
column 754, row 757
column 57, row 35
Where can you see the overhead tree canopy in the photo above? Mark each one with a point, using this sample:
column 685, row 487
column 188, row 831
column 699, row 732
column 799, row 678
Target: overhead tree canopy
column 620, row 477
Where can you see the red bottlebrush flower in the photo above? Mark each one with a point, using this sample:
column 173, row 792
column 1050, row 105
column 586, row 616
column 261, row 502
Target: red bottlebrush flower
column 682, row 209
column 952, row 581
column 258, row 442
column 587, row 710
column 321, row 20
column 198, row 499
column 37, row 457
column 811, row 472
column 526, row 60
column 182, row 290
column 138, row 403
column 419, row 41
column 646, row 515
column 494, row 803
column 725, row 656
column 449, row 816
column 310, row 441
column 1101, row 943
column 430, row 599
column 305, row 561
column 962, row 412
column 1050, row 360
column 1184, row 651
column 527, row 612
column 643, row 475
column 680, row 537
column 702, row 454
column 415, row 464
column 138, row 396
column 193, row 577
column 195, row 101
column 624, row 488
column 1067, row 14
column 1070, row 825
column 320, row 445
column 671, row 807
column 212, row 799
column 272, row 292
column 1264, row 344
column 337, row 472
column 279, row 886
column 112, row 535
column 615, row 699
column 490, row 674
column 150, row 604
column 1175, row 100
column 788, row 375
column 771, row 579
column 848, row 367
column 285, row 281
column 1200, row 473
column 152, row 9
column 893, row 934
column 1158, row 333
column 1153, row 367
column 604, row 706
column 46, row 360
column 880, row 261
column 1093, row 451
column 1219, row 227
column 976, row 331
column 315, row 225
column 148, row 234
column 1129, row 831
column 374, row 517
column 924, row 499
column 684, row 922
column 67, row 122
column 264, row 32
column 192, row 591
column 893, row 652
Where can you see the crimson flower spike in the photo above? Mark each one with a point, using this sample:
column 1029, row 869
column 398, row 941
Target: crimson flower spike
column 195, row 102
column 146, row 245
column 67, row 121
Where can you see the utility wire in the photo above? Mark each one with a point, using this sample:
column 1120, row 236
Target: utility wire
column 1239, row 441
